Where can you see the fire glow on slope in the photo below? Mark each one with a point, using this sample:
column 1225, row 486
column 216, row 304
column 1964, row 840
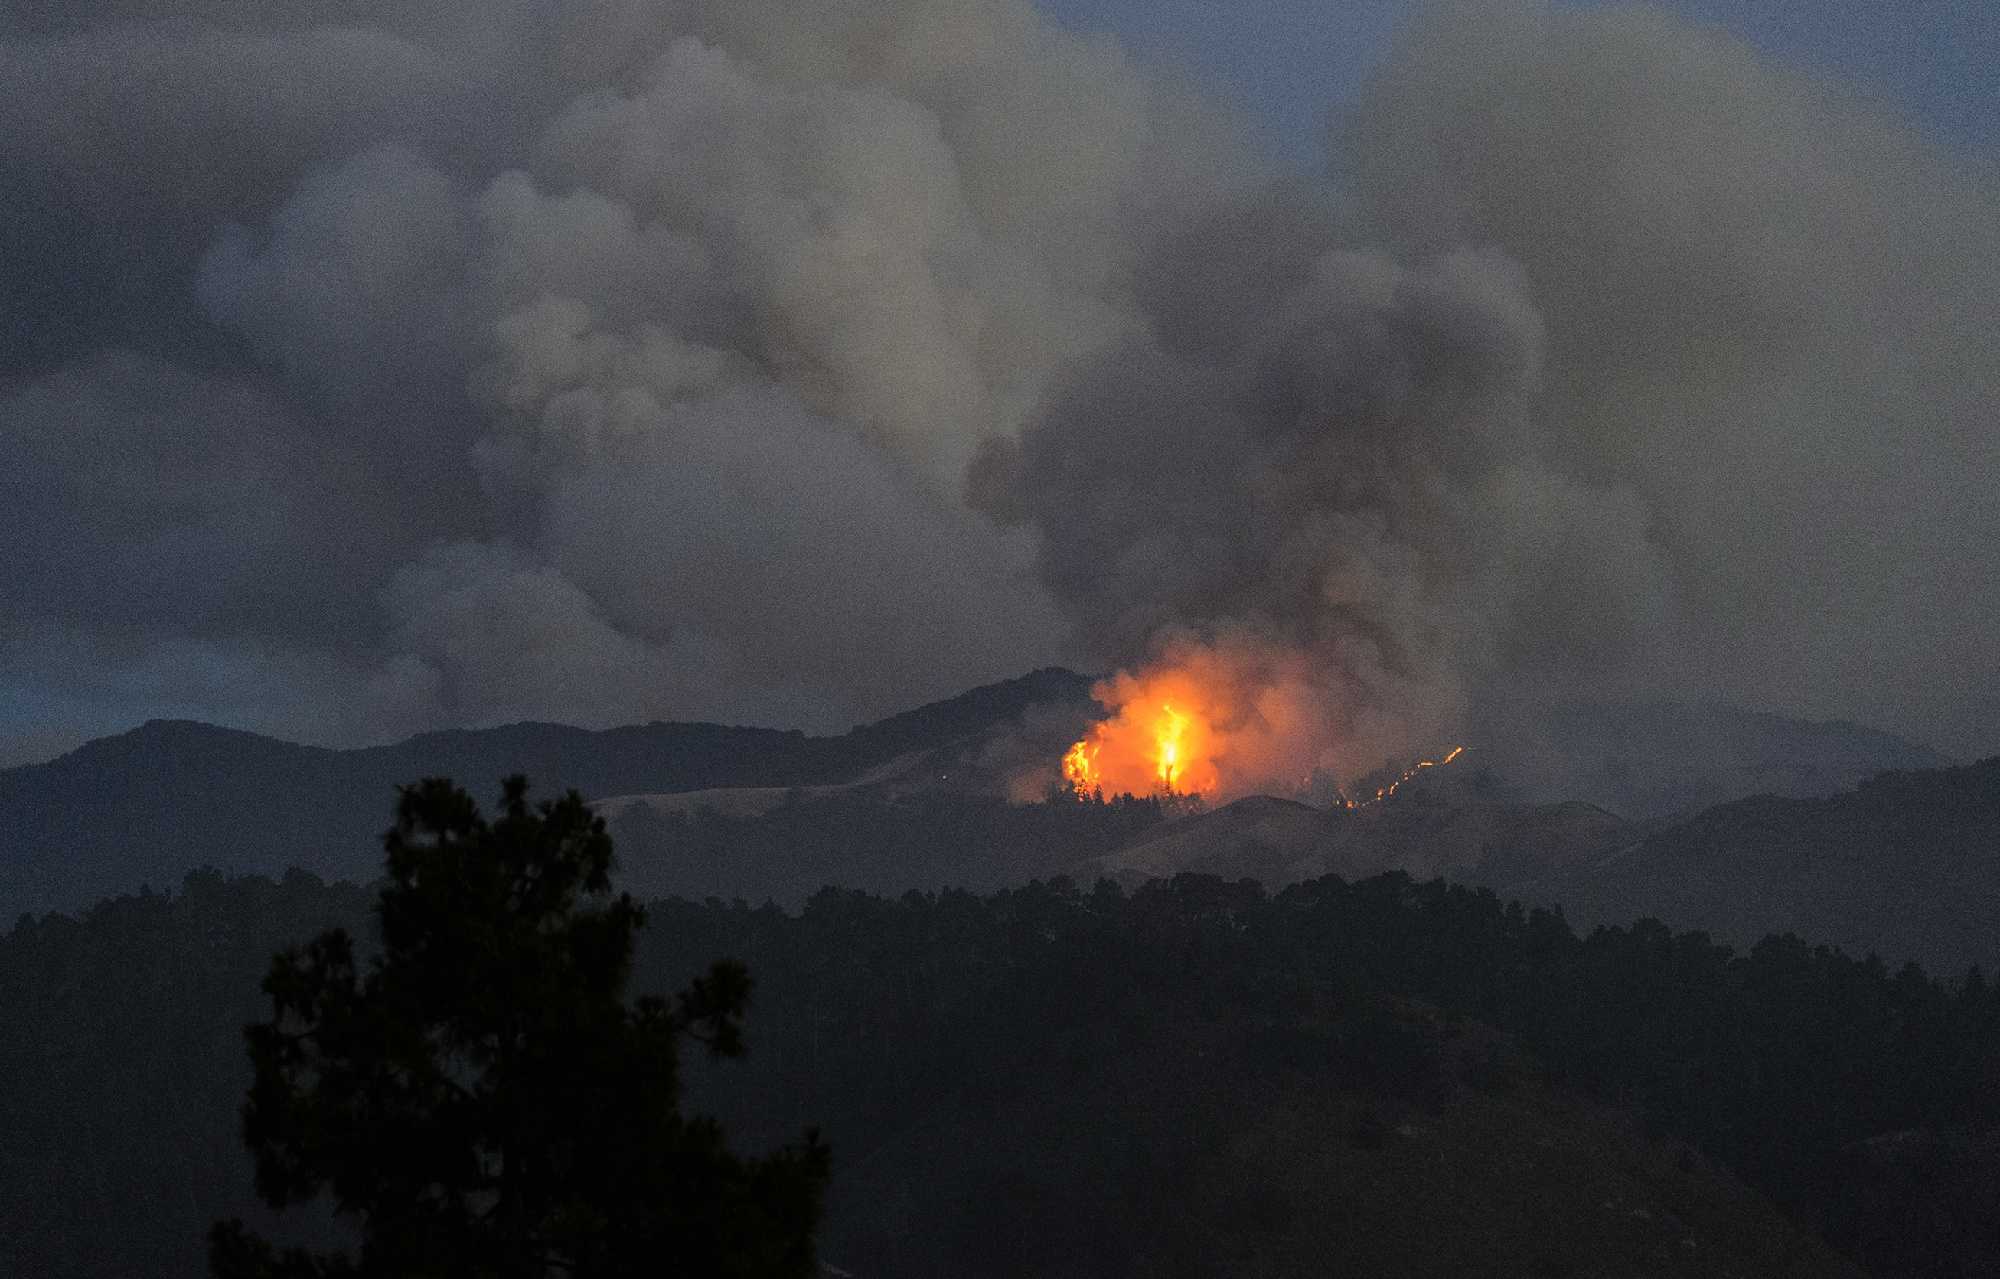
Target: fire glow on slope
column 1157, row 741
column 1384, row 792
column 1171, row 732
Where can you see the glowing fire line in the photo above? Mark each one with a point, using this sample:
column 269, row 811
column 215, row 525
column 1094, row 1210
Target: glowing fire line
column 1384, row 792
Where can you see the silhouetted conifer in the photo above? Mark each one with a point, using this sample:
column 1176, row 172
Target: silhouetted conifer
column 481, row 1098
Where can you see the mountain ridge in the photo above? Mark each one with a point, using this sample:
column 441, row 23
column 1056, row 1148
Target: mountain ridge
column 918, row 800
column 1905, row 864
column 146, row 805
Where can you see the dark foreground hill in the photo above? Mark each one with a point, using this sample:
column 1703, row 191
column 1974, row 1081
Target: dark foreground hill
column 1906, row 865
column 1383, row 1078
column 147, row 805
column 1419, row 832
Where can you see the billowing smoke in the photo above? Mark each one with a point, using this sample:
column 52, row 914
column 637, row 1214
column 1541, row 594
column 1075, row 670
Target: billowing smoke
column 1336, row 506
column 462, row 362
column 1773, row 319
column 374, row 366
column 1630, row 365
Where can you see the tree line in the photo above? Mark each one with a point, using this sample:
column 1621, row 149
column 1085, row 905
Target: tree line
column 1144, row 1030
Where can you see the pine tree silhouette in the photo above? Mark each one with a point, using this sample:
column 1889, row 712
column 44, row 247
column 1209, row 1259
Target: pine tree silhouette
column 482, row 1099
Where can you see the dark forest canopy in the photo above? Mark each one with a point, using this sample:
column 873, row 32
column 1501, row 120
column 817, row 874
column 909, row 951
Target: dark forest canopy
column 997, row 1069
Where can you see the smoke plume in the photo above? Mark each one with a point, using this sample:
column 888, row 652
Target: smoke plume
column 1631, row 365
column 371, row 367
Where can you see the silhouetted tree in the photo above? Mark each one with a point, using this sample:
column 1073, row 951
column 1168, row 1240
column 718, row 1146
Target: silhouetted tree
column 482, row 1098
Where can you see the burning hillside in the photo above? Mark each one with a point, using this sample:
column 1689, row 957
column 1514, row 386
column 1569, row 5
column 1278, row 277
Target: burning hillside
column 1383, row 792
column 1158, row 739
column 1204, row 723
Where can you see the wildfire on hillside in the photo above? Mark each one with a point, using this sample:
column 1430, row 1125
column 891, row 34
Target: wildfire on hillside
column 1171, row 733
column 1157, row 741
column 1384, row 792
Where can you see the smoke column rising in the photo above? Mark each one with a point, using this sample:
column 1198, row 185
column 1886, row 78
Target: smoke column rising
column 1630, row 365
column 453, row 363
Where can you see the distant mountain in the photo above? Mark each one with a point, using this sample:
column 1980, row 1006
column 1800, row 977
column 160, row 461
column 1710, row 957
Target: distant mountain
column 1906, row 865
column 1654, row 760
column 918, row 800
column 147, row 805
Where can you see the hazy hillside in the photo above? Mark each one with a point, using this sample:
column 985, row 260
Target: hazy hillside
column 1906, row 865
column 1662, row 759
column 147, row 805
column 1419, row 832
column 920, row 801
column 861, row 838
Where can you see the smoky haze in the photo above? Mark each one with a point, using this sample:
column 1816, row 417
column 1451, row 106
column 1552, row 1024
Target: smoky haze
column 1626, row 363
column 373, row 367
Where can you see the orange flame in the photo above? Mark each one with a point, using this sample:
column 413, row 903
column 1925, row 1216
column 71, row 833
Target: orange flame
column 1168, row 734
column 1158, row 741
column 1080, row 767
column 1232, row 718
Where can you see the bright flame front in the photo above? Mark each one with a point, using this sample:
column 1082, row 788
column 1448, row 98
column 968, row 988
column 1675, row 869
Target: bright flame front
column 1204, row 722
column 1080, row 767
column 1157, row 741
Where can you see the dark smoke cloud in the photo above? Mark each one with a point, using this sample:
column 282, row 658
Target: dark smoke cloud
column 1632, row 364
column 1355, row 475
column 372, row 366
column 1773, row 314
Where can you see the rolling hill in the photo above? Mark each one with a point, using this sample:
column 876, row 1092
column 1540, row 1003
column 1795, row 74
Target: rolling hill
column 1654, row 760
column 1906, row 865
column 1193, row 1079
column 1278, row 842
column 148, row 805
column 920, row 800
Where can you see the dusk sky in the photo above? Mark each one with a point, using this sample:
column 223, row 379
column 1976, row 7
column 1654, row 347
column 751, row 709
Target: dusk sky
column 368, row 368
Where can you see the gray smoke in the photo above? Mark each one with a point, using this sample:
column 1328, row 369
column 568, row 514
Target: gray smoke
column 376, row 366
column 1773, row 318
column 402, row 364
column 1631, row 365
